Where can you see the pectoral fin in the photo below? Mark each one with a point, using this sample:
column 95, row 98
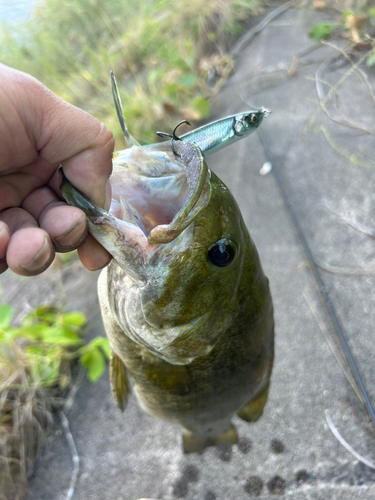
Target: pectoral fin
column 119, row 381
column 254, row 408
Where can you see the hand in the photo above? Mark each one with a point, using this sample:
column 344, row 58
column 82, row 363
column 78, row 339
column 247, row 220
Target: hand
column 39, row 132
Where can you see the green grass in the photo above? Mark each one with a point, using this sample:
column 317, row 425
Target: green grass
column 161, row 52
column 36, row 363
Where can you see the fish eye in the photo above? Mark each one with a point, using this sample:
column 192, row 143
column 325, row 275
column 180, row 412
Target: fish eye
column 254, row 118
column 222, row 253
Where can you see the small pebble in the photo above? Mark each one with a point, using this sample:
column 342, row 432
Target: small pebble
column 266, row 169
column 181, row 488
column 224, row 453
column 301, row 476
column 277, row 446
column 244, row 445
column 254, row 486
column 276, row 485
column 191, row 473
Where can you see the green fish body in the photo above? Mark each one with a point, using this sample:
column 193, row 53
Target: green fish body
column 185, row 303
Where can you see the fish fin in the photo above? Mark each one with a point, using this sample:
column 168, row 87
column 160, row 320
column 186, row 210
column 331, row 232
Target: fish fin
column 117, row 372
column 129, row 139
column 193, row 443
column 254, row 408
column 119, row 381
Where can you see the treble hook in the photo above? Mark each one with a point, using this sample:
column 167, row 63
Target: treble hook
column 173, row 136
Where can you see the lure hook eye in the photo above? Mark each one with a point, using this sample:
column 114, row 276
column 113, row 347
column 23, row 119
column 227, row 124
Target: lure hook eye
column 173, row 136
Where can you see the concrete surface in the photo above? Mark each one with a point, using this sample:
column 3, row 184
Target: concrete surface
column 290, row 452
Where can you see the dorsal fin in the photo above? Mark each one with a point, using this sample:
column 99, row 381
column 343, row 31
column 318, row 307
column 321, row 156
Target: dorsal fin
column 130, row 141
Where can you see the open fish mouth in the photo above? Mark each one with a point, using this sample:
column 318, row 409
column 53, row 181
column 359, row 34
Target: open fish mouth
column 156, row 194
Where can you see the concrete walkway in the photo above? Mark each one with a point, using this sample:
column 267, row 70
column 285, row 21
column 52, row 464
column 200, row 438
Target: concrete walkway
column 290, row 452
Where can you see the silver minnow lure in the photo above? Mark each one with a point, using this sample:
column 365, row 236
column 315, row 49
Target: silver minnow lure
column 209, row 138
column 224, row 132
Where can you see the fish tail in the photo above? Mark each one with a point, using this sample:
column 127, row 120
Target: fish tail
column 193, row 443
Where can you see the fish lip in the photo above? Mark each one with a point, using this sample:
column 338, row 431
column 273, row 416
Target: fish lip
column 73, row 196
column 127, row 248
column 165, row 233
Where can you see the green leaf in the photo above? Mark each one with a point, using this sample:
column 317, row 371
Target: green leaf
column 10, row 333
column 188, row 81
column 97, row 342
column 371, row 12
column 33, row 332
column 61, row 335
column 37, row 350
column 233, row 28
column 153, row 76
column 202, row 106
column 101, row 342
column 94, row 363
column 75, row 318
column 106, row 348
column 6, row 315
column 370, row 61
column 171, row 90
column 42, row 314
column 44, row 364
column 320, row 31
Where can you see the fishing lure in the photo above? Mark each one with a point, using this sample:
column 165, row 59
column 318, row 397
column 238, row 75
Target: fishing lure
column 211, row 137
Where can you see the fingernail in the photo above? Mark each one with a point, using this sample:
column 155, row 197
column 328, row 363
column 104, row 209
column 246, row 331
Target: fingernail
column 102, row 266
column 73, row 236
column 108, row 195
column 41, row 259
column 4, row 231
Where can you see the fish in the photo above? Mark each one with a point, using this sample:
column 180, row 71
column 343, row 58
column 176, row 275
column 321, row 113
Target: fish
column 185, row 303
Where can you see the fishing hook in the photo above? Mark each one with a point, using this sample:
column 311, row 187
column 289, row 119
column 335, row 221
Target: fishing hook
column 173, row 136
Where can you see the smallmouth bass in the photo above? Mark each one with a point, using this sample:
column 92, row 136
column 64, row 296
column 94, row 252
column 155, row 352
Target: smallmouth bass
column 185, row 303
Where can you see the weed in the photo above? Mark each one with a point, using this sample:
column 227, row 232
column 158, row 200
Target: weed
column 155, row 48
column 355, row 23
column 36, row 363
column 320, row 31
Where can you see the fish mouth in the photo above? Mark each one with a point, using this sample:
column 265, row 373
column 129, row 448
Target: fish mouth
column 157, row 192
